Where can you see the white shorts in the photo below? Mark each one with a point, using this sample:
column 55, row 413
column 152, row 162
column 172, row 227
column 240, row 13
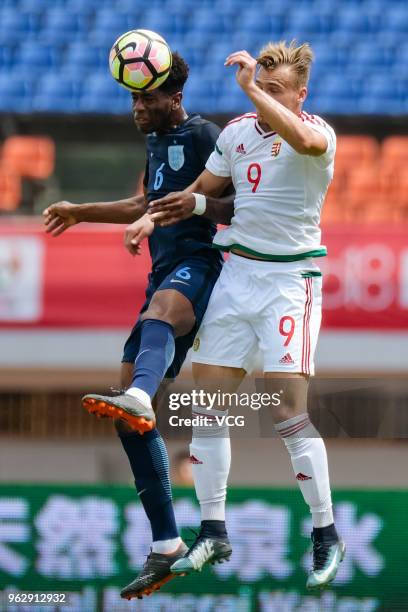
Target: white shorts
column 271, row 306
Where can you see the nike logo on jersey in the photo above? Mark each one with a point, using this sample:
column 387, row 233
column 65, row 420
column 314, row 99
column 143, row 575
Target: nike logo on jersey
column 175, row 280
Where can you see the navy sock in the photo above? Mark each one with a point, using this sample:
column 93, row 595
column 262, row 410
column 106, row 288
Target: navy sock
column 156, row 353
column 326, row 535
column 213, row 528
column 149, row 461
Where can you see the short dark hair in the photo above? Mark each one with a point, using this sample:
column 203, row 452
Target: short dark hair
column 177, row 77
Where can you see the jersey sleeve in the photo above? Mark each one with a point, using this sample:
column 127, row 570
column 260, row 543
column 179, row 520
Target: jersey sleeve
column 219, row 162
column 205, row 140
column 146, row 175
column 322, row 127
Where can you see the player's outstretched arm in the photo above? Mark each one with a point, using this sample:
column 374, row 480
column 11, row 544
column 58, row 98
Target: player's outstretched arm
column 181, row 205
column 287, row 124
column 136, row 232
column 62, row 215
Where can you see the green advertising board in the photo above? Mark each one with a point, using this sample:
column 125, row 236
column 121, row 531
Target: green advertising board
column 89, row 541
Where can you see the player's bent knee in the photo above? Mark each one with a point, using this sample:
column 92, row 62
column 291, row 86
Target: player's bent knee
column 293, row 396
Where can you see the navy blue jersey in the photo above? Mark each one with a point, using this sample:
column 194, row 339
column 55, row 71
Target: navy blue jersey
column 174, row 160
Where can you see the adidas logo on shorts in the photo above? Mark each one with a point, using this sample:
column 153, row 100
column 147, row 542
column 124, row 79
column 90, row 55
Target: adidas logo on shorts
column 287, row 359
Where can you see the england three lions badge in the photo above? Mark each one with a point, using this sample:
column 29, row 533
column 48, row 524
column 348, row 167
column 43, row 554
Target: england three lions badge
column 176, row 157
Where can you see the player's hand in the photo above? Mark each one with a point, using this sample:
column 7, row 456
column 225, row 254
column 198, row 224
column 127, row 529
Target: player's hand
column 60, row 216
column 246, row 67
column 172, row 208
column 136, row 232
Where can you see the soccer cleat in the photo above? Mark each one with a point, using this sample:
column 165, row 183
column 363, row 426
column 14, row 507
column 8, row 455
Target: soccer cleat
column 205, row 549
column 326, row 561
column 155, row 573
column 139, row 416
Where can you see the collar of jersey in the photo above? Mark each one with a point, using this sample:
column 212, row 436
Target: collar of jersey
column 261, row 132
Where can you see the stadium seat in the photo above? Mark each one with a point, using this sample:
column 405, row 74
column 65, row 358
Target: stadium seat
column 10, row 189
column 15, row 93
column 357, row 149
column 349, row 20
column 396, row 19
column 394, row 150
column 309, row 21
column 54, row 92
column 354, row 42
column 29, row 156
column 32, row 54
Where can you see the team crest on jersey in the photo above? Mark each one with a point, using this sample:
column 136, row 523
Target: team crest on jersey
column 176, row 157
column 196, row 344
column 276, row 147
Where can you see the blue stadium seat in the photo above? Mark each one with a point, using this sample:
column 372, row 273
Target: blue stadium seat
column 332, row 85
column 256, row 24
column 396, row 19
column 85, row 56
column 31, row 54
column 15, row 93
column 55, row 94
column 384, row 87
column 36, row 7
column 358, row 45
column 155, row 19
column 327, row 56
column 369, row 55
column 19, row 23
column 308, row 21
column 373, row 105
column 210, row 22
column 328, row 105
column 349, row 20
column 101, row 94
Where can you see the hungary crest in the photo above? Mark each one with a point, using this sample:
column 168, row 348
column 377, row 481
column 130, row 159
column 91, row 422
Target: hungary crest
column 176, row 157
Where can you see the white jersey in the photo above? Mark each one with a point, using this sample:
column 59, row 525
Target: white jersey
column 279, row 192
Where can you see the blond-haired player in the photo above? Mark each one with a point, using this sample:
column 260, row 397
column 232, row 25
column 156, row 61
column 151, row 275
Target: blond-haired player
column 268, row 296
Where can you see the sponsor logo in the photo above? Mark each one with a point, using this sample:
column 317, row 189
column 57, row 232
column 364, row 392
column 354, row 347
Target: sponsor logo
column 175, row 280
column 287, row 359
column 301, row 476
column 194, row 460
column 241, row 149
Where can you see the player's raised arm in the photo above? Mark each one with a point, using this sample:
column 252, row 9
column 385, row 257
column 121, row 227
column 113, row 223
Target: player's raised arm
column 62, row 215
column 278, row 97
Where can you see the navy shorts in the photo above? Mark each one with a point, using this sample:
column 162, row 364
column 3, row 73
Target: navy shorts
column 194, row 278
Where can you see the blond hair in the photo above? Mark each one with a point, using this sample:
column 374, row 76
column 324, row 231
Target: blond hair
column 281, row 54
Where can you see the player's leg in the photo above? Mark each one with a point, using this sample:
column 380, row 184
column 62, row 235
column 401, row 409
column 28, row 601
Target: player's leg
column 221, row 357
column 147, row 455
column 170, row 314
column 210, row 452
column 288, row 345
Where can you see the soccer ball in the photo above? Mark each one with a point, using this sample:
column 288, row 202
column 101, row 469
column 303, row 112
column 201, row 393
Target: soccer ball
column 140, row 60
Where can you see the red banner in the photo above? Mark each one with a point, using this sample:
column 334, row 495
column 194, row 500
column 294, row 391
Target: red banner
column 86, row 278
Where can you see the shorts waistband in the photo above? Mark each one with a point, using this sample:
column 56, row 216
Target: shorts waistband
column 282, row 266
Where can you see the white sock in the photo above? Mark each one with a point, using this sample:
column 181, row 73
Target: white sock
column 166, row 547
column 140, row 395
column 309, row 460
column 210, row 455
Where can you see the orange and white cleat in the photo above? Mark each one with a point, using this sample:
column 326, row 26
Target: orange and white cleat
column 137, row 412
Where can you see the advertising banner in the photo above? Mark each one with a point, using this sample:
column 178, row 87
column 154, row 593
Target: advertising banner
column 89, row 541
column 86, row 278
